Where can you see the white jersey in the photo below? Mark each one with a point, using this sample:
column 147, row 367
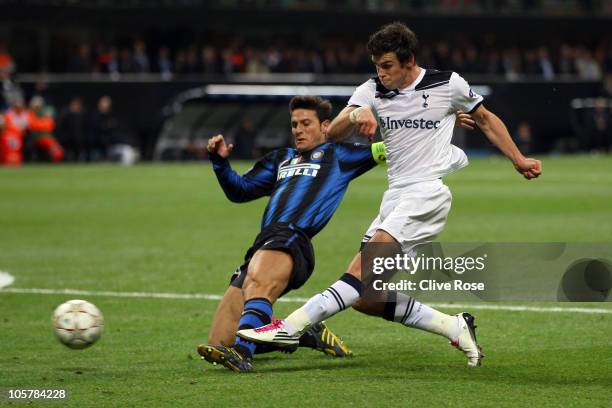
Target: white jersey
column 417, row 124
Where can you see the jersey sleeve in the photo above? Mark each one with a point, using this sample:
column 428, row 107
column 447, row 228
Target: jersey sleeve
column 357, row 158
column 255, row 183
column 463, row 98
column 364, row 95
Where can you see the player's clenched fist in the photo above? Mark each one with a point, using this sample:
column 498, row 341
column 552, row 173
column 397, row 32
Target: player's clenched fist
column 216, row 144
column 365, row 121
column 529, row 168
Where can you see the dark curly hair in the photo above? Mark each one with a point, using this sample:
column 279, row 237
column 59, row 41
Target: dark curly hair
column 395, row 37
column 323, row 107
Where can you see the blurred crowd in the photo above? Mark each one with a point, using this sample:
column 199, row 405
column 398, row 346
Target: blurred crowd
column 533, row 7
column 334, row 56
column 35, row 131
column 35, row 128
column 554, row 7
column 339, row 56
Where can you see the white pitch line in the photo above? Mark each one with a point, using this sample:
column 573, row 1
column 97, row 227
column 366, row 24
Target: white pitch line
column 204, row 296
column 510, row 308
column 150, row 295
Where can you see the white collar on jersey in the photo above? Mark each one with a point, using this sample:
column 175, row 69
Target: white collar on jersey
column 415, row 82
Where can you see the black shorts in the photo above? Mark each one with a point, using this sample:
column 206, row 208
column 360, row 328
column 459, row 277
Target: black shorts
column 285, row 238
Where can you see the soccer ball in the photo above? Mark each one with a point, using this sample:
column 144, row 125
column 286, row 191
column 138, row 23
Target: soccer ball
column 77, row 323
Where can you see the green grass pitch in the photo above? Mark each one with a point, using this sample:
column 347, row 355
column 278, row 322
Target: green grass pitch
column 170, row 229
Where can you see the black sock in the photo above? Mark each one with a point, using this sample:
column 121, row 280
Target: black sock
column 257, row 312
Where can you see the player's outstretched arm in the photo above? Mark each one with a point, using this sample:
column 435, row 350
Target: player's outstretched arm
column 255, row 183
column 360, row 118
column 497, row 133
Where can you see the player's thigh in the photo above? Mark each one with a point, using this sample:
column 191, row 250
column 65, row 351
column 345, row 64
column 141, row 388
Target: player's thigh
column 420, row 216
column 390, row 200
column 379, row 236
column 226, row 318
column 268, row 274
column 269, row 265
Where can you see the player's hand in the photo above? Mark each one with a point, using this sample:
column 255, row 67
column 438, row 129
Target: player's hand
column 464, row 120
column 216, row 144
column 529, row 168
column 365, row 122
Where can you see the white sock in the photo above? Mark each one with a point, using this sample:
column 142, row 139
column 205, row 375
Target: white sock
column 410, row 312
column 342, row 294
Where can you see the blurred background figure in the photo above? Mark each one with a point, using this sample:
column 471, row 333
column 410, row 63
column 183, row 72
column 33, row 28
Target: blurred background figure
column 72, row 130
column 599, row 127
column 10, row 146
column 82, row 61
column 164, row 63
column 588, row 68
column 140, row 59
column 107, row 140
column 547, row 69
column 244, row 140
column 523, row 137
column 15, row 127
column 41, row 143
column 7, row 65
column 9, row 89
column 107, row 61
column 126, row 61
column 607, row 85
column 210, row 64
column 103, row 130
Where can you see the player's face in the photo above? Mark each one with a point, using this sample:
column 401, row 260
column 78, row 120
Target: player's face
column 391, row 72
column 308, row 131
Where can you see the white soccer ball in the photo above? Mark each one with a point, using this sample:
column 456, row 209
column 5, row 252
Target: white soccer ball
column 78, row 323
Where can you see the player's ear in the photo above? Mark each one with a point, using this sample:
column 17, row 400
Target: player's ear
column 325, row 126
column 410, row 61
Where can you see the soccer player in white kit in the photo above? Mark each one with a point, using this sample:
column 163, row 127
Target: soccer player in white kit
column 415, row 110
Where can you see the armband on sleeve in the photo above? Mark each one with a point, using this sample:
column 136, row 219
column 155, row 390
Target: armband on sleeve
column 378, row 152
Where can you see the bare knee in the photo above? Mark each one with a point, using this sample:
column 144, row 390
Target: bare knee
column 268, row 288
column 268, row 275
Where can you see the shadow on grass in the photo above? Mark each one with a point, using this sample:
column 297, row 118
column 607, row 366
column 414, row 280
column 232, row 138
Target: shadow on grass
column 310, row 365
column 270, row 364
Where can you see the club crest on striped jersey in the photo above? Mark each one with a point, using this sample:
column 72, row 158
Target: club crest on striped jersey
column 316, row 155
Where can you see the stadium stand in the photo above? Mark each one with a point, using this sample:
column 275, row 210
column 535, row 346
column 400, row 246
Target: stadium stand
column 562, row 52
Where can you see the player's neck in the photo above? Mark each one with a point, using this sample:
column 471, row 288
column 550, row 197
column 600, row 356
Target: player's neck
column 411, row 77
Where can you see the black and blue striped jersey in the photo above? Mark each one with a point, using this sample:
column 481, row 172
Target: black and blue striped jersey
column 305, row 188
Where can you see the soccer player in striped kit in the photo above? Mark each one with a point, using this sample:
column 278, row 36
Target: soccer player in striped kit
column 415, row 111
column 306, row 185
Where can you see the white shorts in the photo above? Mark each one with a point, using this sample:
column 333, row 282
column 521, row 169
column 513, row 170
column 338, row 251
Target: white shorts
column 414, row 214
